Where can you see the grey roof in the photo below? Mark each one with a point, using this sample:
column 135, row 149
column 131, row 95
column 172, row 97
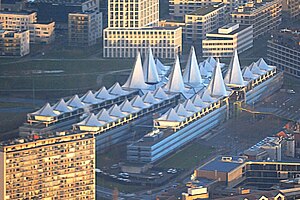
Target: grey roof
column 223, row 166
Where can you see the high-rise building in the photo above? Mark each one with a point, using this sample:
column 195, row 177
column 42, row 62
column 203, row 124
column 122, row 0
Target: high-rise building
column 292, row 7
column 84, row 28
column 42, row 32
column 202, row 21
column 133, row 26
column 284, row 51
column 263, row 15
column 14, row 43
column 59, row 166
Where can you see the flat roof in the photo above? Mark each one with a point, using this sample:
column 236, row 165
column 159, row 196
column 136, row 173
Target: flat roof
column 205, row 10
column 148, row 143
column 218, row 164
column 288, row 38
column 250, row 9
column 242, row 27
column 22, row 12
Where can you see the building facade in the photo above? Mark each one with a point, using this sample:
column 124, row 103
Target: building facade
column 39, row 32
column 166, row 42
column 264, row 16
column 292, row 7
column 203, row 20
column 133, row 26
column 14, row 43
column 84, row 28
column 284, row 51
column 223, row 42
column 56, row 167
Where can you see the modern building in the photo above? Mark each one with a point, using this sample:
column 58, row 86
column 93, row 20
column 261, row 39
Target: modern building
column 58, row 10
column 84, row 29
column 263, row 15
column 179, row 8
column 204, row 20
column 133, row 26
column 14, row 43
column 223, row 42
column 195, row 193
column 57, row 166
column 12, row 5
column 284, row 51
column 39, row 32
column 233, row 170
column 292, row 7
column 42, row 32
column 166, row 42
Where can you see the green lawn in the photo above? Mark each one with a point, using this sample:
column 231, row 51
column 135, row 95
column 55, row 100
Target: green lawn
column 188, row 157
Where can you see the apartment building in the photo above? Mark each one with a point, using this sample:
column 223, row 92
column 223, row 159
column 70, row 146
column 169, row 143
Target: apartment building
column 12, row 5
column 42, row 32
column 179, row 8
column 133, row 26
column 39, row 32
column 263, row 15
column 203, row 21
column 84, row 28
column 292, row 7
column 59, row 166
column 14, row 43
column 284, row 51
column 225, row 40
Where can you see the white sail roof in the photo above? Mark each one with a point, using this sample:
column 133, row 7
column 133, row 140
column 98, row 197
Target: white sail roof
column 212, row 61
column 255, row 69
column 75, row 102
column 171, row 115
column 181, row 111
column 89, row 98
column 61, row 106
column 117, row 90
column 191, row 73
column 150, row 69
column 175, row 83
column 234, row 73
column 247, row 74
column 136, row 78
column 127, row 107
column 161, row 68
column 206, row 97
column 104, row 116
column 189, row 106
column 203, row 71
column 91, row 121
column 207, row 66
column 102, row 93
column 261, row 63
column 197, row 101
column 159, row 93
column 46, row 110
column 115, row 111
column 216, row 86
column 149, row 98
column 137, row 102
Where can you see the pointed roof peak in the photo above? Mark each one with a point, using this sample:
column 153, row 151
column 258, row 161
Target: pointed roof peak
column 61, row 106
column 103, row 115
column 75, row 102
column 89, row 97
column 102, row 93
column 207, row 66
column 197, row 101
column 136, row 78
column 127, row 107
column 115, row 111
column 189, row 106
column 171, row 115
column 192, row 73
column 216, row 86
column 149, row 98
column 159, row 93
column 234, row 73
column 181, row 111
column 137, row 102
column 175, row 83
column 117, row 90
column 261, row 63
column 255, row 69
column 150, row 68
column 46, row 110
column 212, row 61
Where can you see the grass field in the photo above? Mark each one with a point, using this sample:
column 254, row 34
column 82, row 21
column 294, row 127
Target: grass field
column 187, row 157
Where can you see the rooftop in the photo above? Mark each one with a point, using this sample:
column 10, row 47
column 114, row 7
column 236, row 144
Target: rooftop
column 252, row 7
column 241, row 28
column 288, row 38
column 23, row 12
column 223, row 163
column 206, row 10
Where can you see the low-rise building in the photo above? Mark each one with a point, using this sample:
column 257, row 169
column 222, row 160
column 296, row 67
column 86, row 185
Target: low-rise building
column 55, row 166
column 14, row 43
column 225, row 40
column 84, row 28
column 284, row 51
column 166, row 42
column 203, row 21
column 42, row 32
column 263, row 15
